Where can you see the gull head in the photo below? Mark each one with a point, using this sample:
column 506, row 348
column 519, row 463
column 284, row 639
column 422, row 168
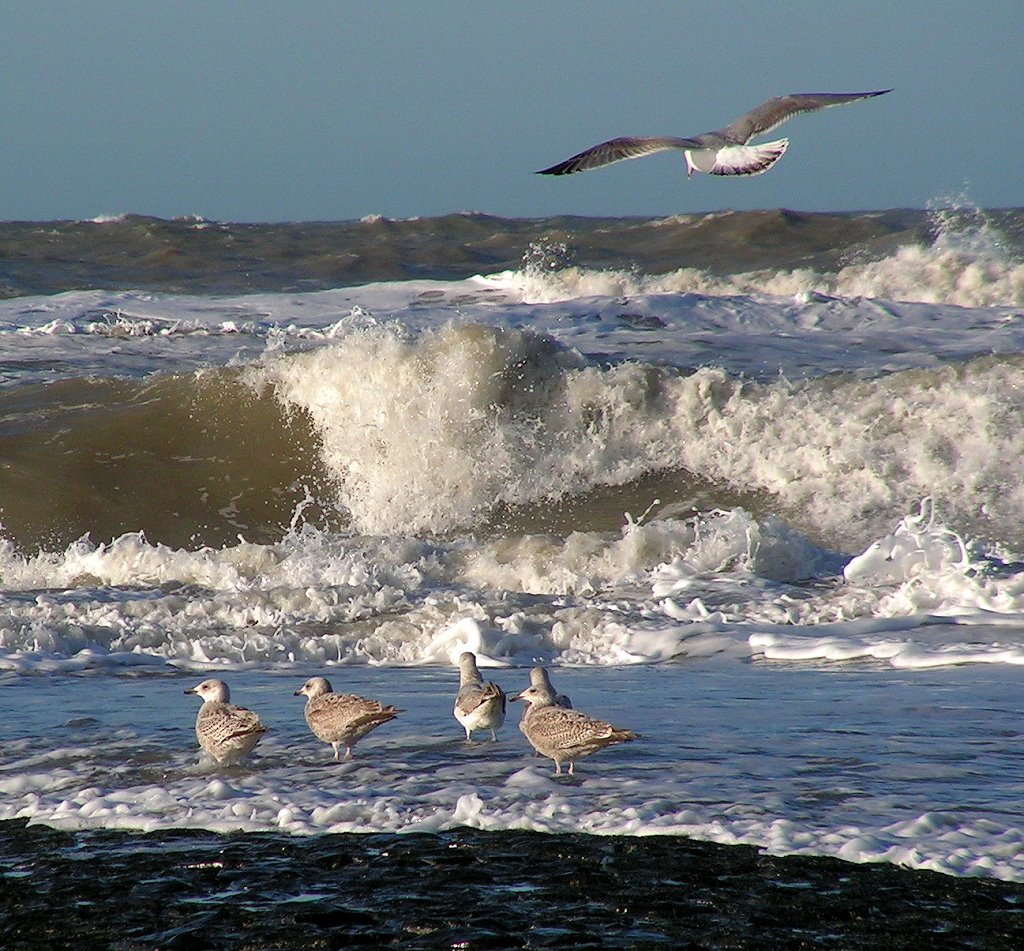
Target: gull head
column 539, row 678
column 211, row 691
column 535, row 696
column 313, row 688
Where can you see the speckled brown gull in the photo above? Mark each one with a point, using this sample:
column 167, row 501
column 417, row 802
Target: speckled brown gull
column 539, row 678
column 725, row 152
column 565, row 735
column 341, row 719
column 478, row 705
column 227, row 732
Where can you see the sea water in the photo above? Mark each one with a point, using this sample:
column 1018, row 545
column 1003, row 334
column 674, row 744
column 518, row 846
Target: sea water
column 770, row 519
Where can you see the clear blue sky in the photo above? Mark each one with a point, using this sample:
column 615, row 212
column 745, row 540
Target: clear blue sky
column 260, row 110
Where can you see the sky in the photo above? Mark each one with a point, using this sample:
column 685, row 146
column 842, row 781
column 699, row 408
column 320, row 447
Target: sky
column 290, row 110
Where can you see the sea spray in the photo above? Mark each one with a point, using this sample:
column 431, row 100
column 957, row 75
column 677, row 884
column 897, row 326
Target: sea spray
column 431, row 432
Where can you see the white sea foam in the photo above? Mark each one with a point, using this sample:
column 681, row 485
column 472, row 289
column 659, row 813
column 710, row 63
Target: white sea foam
column 925, row 574
column 716, row 583
column 528, row 801
column 967, row 264
column 428, row 432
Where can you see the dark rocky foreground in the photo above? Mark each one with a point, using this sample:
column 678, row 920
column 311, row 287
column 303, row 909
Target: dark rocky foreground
column 469, row 889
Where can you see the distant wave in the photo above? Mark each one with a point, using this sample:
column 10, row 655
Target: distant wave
column 953, row 255
column 967, row 264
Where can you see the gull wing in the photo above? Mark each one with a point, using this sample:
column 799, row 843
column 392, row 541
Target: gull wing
column 617, row 150
column 474, row 695
column 350, row 710
column 773, row 112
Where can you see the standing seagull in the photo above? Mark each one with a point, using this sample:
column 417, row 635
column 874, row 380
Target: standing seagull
column 565, row 735
column 341, row 718
column 478, row 705
column 539, row 678
column 225, row 731
column 724, row 152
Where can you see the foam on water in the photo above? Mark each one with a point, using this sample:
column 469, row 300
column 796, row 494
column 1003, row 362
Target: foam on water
column 924, row 571
column 715, row 583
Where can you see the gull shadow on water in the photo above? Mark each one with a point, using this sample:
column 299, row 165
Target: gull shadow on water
column 473, row 889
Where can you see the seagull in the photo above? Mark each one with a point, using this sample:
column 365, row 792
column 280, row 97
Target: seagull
column 724, row 152
column 478, row 705
column 341, row 718
column 226, row 732
column 539, row 678
column 565, row 735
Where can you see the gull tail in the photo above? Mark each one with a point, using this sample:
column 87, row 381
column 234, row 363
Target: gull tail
column 749, row 159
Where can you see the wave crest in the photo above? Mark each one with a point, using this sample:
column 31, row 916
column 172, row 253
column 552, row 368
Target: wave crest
column 968, row 263
column 434, row 433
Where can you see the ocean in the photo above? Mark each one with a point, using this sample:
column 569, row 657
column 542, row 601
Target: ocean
column 746, row 483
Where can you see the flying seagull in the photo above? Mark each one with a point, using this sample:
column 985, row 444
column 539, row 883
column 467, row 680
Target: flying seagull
column 724, row 152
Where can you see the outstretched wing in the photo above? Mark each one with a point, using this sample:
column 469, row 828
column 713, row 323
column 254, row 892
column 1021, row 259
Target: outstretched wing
column 617, row 150
column 773, row 112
